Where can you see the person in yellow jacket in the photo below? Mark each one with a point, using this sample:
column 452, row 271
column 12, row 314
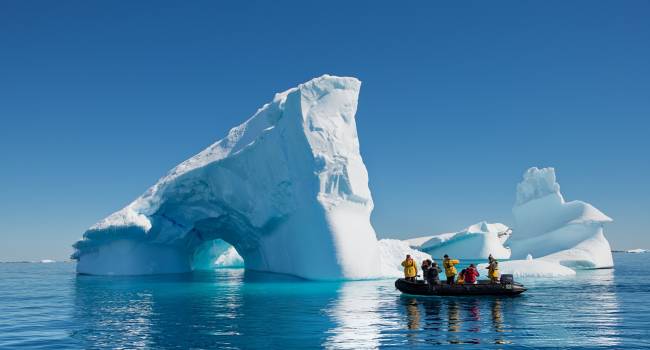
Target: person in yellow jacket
column 450, row 269
column 410, row 268
column 493, row 269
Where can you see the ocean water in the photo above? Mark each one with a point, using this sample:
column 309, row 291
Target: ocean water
column 48, row 306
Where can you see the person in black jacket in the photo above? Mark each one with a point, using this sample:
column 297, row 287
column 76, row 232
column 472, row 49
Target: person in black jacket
column 431, row 275
column 424, row 267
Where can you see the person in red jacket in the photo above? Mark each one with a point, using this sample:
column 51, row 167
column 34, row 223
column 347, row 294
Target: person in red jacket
column 471, row 273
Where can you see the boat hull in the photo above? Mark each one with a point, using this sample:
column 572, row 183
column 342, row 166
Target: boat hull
column 481, row 288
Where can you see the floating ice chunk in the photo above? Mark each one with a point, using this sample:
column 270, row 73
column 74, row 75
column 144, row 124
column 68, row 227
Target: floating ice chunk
column 636, row 251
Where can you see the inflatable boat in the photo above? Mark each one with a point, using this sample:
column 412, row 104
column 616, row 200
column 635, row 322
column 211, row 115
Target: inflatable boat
column 507, row 287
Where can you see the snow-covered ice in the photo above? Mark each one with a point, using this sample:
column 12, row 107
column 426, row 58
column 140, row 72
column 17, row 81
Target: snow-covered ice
column 637, row 251
column 393, row 252
column 530, row 267
column 568, row 233
column 287, row 189
column 477, row 241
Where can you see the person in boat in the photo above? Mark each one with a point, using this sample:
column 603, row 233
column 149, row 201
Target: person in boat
column 424, row 267
column 493, row 269
column 410, row 268
column 461, row 277
column 431, row 273
column 450, row 269
column 471, row 274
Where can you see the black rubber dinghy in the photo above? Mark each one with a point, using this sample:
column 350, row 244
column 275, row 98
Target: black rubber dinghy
column 509, row 288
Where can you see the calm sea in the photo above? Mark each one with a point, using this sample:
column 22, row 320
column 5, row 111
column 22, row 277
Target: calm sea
column 47, row 306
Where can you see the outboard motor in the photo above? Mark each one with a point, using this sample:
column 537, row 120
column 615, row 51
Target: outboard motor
column 507, row 279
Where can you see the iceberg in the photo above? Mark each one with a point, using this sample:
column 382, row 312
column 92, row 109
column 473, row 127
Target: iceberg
column 531, row 268
column 229, row 258
column 564, row 235
column 287, row 189
column 567, row 233
column 477, row 241
column 636, row 251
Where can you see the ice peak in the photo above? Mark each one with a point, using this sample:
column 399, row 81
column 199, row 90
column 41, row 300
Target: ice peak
column 537, row 183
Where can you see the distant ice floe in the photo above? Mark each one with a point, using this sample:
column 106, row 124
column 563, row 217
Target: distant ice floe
column 637, row 251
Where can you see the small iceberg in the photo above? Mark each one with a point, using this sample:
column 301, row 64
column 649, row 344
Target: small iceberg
column 477, row 241
column 531, row 268
column 229, row 259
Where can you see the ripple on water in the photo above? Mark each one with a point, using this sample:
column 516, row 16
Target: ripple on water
column 47, row 306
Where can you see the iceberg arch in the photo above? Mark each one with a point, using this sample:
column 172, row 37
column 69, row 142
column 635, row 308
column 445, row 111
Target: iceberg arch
column 288, row 189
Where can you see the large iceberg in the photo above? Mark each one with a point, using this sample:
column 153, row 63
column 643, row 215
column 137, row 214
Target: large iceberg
column 287, row 189
column 477, row 241
column 568, row 233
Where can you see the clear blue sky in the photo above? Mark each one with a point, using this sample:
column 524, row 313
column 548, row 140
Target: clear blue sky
column 98, row 99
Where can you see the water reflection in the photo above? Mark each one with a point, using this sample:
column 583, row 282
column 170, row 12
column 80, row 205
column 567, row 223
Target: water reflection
column 356, row 316
column 595, row 313
column 453, row 320
column 233, row 309
column 413, row 315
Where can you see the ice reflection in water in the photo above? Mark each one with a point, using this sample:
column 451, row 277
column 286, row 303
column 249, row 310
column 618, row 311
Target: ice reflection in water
column 356, row 314
column 233, row 309
column 435, row 320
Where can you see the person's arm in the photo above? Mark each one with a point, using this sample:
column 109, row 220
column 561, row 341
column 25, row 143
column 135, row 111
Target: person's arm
column 455, row 261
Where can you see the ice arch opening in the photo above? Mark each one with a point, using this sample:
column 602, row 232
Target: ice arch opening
column 287, row 188
column 216, row 254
